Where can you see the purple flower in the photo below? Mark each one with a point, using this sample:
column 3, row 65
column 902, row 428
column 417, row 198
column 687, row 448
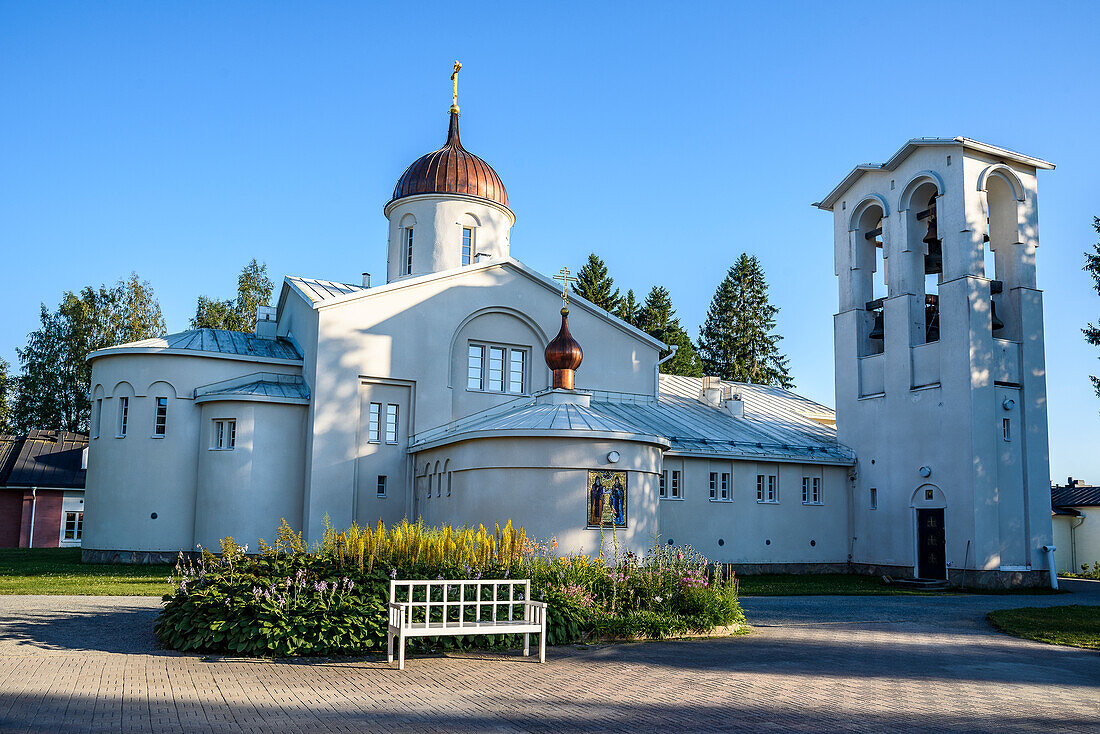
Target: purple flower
column 393, row 574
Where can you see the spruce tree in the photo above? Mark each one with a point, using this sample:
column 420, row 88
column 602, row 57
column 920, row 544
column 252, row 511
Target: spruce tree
column 1092, row 267
column 629, row 308
column 594, row 284
column 657, row 318
column 737, row 341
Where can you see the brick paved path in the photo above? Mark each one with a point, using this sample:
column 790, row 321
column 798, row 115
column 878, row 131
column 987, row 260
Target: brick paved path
column 86, row 664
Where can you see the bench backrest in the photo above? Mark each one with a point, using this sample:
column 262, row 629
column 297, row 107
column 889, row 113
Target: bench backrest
column 461, row 601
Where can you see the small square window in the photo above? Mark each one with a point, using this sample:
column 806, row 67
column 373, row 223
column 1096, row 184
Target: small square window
column 381, row 490
column 74, row 525
column 225, row 434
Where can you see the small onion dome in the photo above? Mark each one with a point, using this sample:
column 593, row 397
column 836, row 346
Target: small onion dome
column 451, row 170
column 563, row 354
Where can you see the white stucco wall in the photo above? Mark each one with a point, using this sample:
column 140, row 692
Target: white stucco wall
column 1082, row 545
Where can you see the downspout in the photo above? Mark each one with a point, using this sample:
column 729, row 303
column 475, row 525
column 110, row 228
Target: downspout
column 1049, row 550
column 1073, row 541
column 34, row 501
column 657, row 370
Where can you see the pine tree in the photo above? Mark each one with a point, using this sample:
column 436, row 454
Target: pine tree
column 1092, row 267
column 657, row 318
column 629, row 308
column 52, row 387
column 254, row 289
column 737, row 341
column 594, row 284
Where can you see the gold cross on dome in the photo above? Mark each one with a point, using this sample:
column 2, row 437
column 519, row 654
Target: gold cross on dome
column 565, row 278
column 454, row 78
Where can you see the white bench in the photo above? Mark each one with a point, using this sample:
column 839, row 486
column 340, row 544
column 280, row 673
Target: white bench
column 459, row 607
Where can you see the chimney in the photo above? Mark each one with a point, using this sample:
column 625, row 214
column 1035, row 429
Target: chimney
column 734, row 405
column 265, row 322
column 366, row 280
column 711, row 394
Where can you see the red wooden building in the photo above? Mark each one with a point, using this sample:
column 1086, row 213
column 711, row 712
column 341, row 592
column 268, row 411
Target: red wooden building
column 42, row 489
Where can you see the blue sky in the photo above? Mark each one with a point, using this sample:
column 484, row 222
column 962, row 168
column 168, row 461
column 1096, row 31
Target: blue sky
column 178, row 140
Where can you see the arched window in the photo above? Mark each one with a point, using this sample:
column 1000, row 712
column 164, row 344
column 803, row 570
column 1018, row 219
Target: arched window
column 469, row 224
column 926, row 244
column 870, row 281
column 1000, row 251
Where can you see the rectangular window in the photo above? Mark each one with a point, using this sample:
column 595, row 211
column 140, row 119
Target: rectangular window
column 805, row 490
column 773, row 488
column 496, row 369
column 74, row 525
column 811, row 490
column 467, row 245
column 225, row 434
column 714, row 485
column 408, row 251
column 391, row 423
column 450, row 476
column 97, row 419
column 724, row 487
column 662, row 485
column 516, row 370
column 161, row 422
column 474, row 373
column 675, row 488
column 381, row 491
column 1006, row 429
column 374, row 423
column 123, row 416
column 759, row 487
column 874, row 498
column 815, row 493
column 767, row 488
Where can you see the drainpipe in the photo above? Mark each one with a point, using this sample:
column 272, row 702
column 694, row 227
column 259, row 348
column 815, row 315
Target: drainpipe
column 34, row 500
column 1049, row 550
column 657, row 369
column 1073, row 541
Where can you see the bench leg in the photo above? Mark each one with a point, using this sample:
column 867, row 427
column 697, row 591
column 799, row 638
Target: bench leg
column 542, row 645
column 389, row 647
column 526, row 644
column 401, row 652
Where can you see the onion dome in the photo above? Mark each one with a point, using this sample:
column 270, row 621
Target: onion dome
column 563, row 354
column 451, row 170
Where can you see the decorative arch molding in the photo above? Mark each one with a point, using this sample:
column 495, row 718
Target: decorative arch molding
column 474, row 219
column 921, row 501
column 152, row 385
column 533, row 325
column 128, row 392
column 407, row 220
column 905, row 200
column 98, row 392
column 868, row 201
column 1006, row 174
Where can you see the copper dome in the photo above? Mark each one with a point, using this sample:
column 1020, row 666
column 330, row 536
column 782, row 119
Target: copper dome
column 451, row 170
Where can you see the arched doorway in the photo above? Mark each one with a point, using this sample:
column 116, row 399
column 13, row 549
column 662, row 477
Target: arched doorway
column 928, row 504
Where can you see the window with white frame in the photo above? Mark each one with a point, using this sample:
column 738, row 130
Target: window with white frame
column 767, row 488
column 724, row 487
column 391, row 423
column 381, row 489
column 467, row 245
column 674, row 485
column 123, row 416
column 811, row 490
column 495, row 368
column 224, row 435
column 97, row 418
column 374, row 423
column 714, row 485
column 662, row 485
column 160, row 423
column 1006, row 429
column 408, row 264
column 74, row 526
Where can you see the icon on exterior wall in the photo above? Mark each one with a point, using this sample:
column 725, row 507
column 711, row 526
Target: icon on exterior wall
column 607, row 499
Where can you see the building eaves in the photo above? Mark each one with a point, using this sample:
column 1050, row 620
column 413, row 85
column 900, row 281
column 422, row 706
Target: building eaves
column 211, row 342
column 268, row 387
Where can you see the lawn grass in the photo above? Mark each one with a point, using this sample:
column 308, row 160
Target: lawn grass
column 59, row 571
column 1075, row 625
column 835, row 584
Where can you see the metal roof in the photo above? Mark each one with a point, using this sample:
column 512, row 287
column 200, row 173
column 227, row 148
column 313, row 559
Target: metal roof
column 1075, row 496
column 777, row 425
column 47, row 459
column 316, row 290
column 217, row 341
column 261, row 386
column 904, row 152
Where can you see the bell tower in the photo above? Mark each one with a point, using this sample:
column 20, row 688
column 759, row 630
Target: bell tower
column 940, row 367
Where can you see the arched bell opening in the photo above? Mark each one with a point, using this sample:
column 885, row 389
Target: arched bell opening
column 871, row 281
column 925, row 240
column 1000, row 252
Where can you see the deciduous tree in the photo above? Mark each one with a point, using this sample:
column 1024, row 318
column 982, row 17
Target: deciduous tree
column 1092, row 267
column 254, row 289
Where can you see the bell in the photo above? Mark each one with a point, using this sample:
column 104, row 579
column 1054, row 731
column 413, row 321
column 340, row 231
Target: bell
column 878, row 330
column 932, row 319
column 933, row 261
column 997, row 323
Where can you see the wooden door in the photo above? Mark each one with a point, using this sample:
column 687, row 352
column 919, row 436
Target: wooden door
column 931, row 545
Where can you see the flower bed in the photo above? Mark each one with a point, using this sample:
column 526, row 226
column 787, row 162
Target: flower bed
column 331, row 599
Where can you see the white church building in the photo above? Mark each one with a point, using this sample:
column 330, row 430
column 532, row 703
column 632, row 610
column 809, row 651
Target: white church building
column 455, row 392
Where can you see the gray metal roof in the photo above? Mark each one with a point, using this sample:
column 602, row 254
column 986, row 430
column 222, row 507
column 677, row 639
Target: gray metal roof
column 264, row 386
column 1075, row 496
column 47, row 459
column 220, row 341
column 316, row 290
column 777, row 424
